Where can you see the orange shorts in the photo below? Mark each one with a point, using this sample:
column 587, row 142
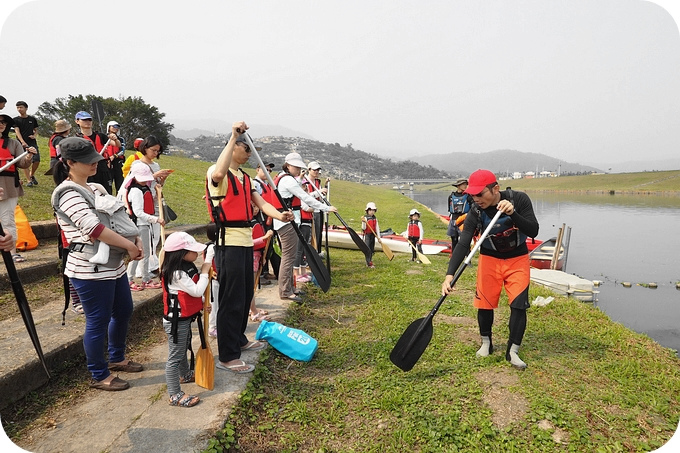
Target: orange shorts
column 494, row 273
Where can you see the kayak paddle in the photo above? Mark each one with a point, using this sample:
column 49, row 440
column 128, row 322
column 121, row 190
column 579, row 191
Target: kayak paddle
column 205, row 362
column 418, row 334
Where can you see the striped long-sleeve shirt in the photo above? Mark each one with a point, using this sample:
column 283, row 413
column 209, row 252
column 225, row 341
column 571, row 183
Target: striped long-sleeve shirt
column 87, row 229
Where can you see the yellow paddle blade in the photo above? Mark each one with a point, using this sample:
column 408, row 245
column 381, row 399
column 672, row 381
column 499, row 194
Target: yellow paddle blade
column 205, row 362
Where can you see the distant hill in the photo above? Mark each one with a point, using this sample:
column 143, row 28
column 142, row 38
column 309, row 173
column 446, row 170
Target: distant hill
column 340, row 162
column 502, row 162
column 215, row 127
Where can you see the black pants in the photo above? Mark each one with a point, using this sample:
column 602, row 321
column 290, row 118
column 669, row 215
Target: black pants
column 236, row 279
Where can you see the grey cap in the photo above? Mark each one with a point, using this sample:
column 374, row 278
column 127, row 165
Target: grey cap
column 460, row 181
column 79, row 150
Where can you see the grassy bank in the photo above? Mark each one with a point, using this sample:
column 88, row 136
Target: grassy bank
column 654, row 182
column 592, row 385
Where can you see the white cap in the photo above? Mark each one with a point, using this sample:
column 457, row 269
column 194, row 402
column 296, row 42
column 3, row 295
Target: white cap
column 413, row 211
column 111, row 123
column 371, row 205
column 314, row 165
column 295, row 160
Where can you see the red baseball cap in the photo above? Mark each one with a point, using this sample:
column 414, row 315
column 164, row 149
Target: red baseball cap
column 479, row 180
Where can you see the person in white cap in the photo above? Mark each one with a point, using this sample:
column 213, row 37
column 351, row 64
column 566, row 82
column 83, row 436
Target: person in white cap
column 370, row 227
column 229, row 192
column 415, row 233
column 313, row 174
column 117, row 156
column 290, row 190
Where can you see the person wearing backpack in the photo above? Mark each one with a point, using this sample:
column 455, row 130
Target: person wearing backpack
column 103, row 288
column 141, row 208
column 503, row 260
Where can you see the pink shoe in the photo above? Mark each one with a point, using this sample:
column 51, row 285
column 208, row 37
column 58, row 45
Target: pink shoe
column 304, row 278
column 152, row 285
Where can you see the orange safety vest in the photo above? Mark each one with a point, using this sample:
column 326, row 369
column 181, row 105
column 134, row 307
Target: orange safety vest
column 371, row 222
column 5, row 157
column 413, row 229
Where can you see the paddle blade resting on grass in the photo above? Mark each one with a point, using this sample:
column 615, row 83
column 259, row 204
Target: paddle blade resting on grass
column 412, row 343
column 418, row 334
column 386, row 250
column 205, row 362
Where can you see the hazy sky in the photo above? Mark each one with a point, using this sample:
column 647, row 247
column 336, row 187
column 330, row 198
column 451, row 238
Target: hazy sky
column 581, row 80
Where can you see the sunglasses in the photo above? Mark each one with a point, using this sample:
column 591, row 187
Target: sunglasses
column 86, row 119
column 3, row 122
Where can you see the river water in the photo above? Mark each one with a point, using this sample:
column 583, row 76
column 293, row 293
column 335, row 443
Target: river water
column 616, row 239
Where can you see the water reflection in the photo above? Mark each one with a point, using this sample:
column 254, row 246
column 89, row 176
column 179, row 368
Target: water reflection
column 616, row 239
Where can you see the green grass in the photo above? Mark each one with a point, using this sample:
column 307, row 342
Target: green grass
column 599, row 384
column 656, row 182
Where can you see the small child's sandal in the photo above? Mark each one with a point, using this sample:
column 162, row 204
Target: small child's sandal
column 183, row 400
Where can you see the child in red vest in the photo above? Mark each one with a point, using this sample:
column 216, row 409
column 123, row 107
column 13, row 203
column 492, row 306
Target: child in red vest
column 183, row 288
column 369, row 225
column 415, row 233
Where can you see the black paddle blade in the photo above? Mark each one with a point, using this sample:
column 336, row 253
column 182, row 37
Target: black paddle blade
column 323, row 277
column 359, row 242
column 412, row 343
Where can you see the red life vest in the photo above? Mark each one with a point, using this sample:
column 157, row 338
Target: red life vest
column 413, row 229
column 149, row 207
column 181, row 306
column 5, row 157
column 307, row 217
column 371, row 222
column 53, row 149
column 293, row 202
column 258, row 232
column 98, row 145
column 234, row 209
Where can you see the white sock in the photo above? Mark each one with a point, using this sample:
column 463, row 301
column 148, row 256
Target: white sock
column 514, row 358
column 486, row 348
column 102, row 255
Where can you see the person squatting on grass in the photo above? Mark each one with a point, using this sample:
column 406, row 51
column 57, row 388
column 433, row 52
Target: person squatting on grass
column 370, row 227
column 290, row 190
column 503, row 260
column 9, row 179
column 103, row 289
column 415, row 233
column 183, row 289
column 229, row 193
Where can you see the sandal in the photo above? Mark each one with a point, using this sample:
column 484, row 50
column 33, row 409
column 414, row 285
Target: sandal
column 254, row 346
column 151, row 285
column 183, row 400
column 190, row 377
column 78, row 309
column 18, row 258
column 239, row 368
column 135, row 287
column 257, row 317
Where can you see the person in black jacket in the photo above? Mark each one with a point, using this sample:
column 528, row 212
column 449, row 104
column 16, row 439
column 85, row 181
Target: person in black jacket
column 503, row 261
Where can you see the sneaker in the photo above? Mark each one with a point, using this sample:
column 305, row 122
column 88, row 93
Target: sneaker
column 29, row 184
column 151, row 285
column 34, row 181
column 370, row 265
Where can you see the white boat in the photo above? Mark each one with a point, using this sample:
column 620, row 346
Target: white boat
column 564, row 284
column 341, row 239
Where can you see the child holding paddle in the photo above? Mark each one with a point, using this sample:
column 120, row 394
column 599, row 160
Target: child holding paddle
column 369, row 225
column 415, row 231
column 183, row 288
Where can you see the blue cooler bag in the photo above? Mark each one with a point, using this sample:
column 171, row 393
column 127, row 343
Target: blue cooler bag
column 292, row 342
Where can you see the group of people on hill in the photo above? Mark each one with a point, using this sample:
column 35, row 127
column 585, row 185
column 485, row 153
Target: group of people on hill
column 247, row 214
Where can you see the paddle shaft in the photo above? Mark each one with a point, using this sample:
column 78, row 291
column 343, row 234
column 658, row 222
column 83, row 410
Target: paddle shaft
column 353, row 234
column 22, row 301
column 13, row 161
column 456, row 276
column 386, row 250
column 322, row 275
column 421, row 256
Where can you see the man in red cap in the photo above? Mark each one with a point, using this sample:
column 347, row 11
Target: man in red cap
column 503, row 260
